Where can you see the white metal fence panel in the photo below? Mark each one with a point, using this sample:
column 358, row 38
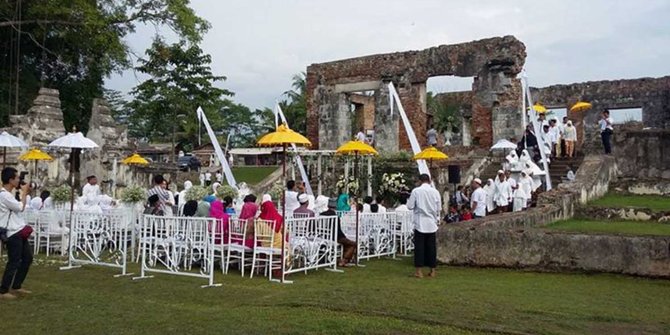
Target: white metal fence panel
column 311, row 243
column 376, row 233
column 176, row 245
column 99, row 239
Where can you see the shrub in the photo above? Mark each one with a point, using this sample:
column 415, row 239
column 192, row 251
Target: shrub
column 133, row 194
column 197, row 193
column 61, row 194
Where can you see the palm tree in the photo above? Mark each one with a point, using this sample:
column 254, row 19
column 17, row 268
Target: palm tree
column 295, row 108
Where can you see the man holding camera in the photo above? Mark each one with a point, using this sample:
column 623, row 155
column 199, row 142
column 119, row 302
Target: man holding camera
column 14, row 233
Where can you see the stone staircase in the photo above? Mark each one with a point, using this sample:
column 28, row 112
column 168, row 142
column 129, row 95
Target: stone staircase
column 557, row 169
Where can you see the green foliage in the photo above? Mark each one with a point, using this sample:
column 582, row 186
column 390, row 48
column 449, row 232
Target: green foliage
column 252, row 174
column 226, row 191
column 653, row 202
column 295, row 107
column 181, row 81
column 277, row 190
column 61, row 194
column 197, row 193
column 74, row 45
column 133, row 194
column 445, row 114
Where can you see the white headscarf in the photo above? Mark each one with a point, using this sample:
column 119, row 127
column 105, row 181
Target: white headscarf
column 266, row 198
column 512, row 157
column 36, row 203
column 525, row 157
column 215, row 186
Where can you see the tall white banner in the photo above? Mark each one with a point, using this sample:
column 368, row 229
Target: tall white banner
column 538, row 129
column 217, row 149
column 416, row 148
column 303, row 174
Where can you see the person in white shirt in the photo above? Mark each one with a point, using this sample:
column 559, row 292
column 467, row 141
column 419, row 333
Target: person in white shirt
column 426, row 203
column 490, row 190
column 502, row 194
column 431, row 136
column 201, row 177
column 361, row 136
column 219, row 177
column 291, row 198
column 523, row 192
column 382, row 208
column 478, row 199
column 571, row 174
column 91, row 190
column 554, row 134
column 208, row 178
column 181, row 200
column 606, row 131
column 19, row 250
column 570, row 136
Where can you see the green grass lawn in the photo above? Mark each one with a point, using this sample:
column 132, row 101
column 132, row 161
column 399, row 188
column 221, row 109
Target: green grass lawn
column 378, row 299
column 252, row 174
column 612, row 227
column 653, row 202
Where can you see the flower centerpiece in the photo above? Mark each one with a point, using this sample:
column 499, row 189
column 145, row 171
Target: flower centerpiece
column 197, row 193
column 276, row 191
column 61, row 194
column 392, row 184
column 226, row 191
column 133, row 195
column 349, row 185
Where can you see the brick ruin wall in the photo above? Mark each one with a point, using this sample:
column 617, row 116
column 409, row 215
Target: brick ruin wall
column 495, row 62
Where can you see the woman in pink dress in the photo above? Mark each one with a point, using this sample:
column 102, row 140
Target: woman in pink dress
column 216, row 210
column 248, row 213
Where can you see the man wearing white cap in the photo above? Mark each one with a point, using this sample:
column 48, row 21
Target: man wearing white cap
column 478, row 199
column 303, row 211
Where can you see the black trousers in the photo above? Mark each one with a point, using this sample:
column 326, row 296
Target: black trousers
column 425, row 250
column 563, row 153
column 19, row 258
column 606, row 136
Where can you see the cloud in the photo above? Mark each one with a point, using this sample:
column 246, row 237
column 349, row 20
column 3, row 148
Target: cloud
column 260, row 45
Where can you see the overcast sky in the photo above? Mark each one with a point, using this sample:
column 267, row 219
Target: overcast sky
column 260, row 45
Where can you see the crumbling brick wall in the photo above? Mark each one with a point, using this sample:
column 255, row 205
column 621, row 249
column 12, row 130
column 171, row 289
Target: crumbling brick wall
column 494, row 62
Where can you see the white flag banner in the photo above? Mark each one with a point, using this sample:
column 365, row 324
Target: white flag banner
column 298, row 160
column 416, row 148
column 538, row 129
column 217, row 149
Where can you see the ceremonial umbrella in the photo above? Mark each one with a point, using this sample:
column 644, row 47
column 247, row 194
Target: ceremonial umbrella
column 135, row 159
column 72, row 141
column 10, row 141
column 356, row 148
column 539, row 108
column 430, row 154
column 504, row 144
column 580, row 106
column 35, row 155
column 283, row 136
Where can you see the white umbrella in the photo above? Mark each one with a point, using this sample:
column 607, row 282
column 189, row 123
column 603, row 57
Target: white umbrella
column 10, row 141
column 72, row 141
column 504, row 144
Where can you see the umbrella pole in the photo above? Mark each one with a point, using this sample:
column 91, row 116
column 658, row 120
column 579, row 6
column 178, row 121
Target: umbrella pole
column 356, row 204
column 4, row 157
column 69, row 239
column 283, row 215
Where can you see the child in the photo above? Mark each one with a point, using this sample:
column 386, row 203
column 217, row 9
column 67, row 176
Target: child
column 453, row 215
column 466, row 215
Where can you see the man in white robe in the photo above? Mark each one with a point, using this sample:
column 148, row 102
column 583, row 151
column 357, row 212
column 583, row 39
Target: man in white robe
column 490, row 190
column 91, row 190
column 501, row 197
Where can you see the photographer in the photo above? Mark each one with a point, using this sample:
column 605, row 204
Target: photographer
column 14, row 233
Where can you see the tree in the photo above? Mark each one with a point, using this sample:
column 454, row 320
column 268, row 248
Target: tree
column 72, row 45
column 165, row 105
column 445, row 114
column 295, row 107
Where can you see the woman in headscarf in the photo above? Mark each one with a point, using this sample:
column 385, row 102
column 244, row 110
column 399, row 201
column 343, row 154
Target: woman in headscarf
column 490, row 190
column 523, row 192
column 269, row 212
column 228, row 205
column 217, row 211
column 248, row 214
column 215, row 186
column 204, row 205
column 343, row 202
column 181, row 198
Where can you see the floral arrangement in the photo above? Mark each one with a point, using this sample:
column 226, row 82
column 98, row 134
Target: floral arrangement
column 276, row 190
column 392, row 185
column 133, row 194
column 61, row 194
column 226, row 191
column 197, row 193
column 349, row 185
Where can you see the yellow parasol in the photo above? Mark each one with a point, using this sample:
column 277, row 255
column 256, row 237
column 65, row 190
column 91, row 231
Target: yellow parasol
column 539, row 108
column 430, row 154
column 283, row 136
column 135, row 159
column 356, row 148
column 35, row 155
column 580, row 106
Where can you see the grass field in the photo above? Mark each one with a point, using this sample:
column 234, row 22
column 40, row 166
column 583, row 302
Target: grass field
column 252, row 174
column 612, row 227
column 379, row 299
column 653, row 202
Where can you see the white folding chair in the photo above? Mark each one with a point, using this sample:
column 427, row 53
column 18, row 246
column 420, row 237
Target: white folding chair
column 264, row 233
column 50, row 234
column 237, row 231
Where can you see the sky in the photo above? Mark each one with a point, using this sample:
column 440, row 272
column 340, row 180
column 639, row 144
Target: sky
column 259, row 45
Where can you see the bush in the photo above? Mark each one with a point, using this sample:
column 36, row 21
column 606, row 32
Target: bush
column 277, row 190
column 133, row 194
